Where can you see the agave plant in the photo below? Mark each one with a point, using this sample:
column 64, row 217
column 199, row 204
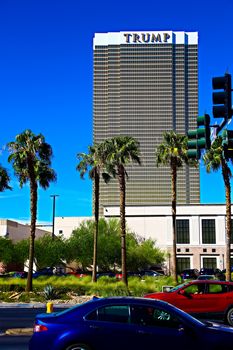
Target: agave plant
column 50, row 292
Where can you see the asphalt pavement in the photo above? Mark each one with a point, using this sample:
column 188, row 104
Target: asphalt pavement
column 26, row 331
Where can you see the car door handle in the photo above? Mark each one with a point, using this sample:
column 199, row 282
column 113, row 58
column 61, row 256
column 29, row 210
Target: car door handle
column 94, row 326
column 143, row 332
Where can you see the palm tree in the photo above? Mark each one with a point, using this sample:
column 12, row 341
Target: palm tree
column 172, row 152
column 93, row 162
column 31, row 159
column 4, row 179
column 119, row 152
column 214, row 160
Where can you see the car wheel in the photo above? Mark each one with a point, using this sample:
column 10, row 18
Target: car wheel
column 229, row 316
column 78, row 347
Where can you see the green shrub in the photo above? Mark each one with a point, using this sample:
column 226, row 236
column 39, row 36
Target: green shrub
column 54, row 287
column 25, row 297
column 12, row 284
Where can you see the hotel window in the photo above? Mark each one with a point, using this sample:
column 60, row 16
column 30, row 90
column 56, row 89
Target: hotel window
column 231, row 231
column 208, row 231
column 182, row 232
column 183, row 263
column 209, row 263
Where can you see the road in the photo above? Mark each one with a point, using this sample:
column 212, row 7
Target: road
column 20, row 317
column 17, row 317
column 14, row 342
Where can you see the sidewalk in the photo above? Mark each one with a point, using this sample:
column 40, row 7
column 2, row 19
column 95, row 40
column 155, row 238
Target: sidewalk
column 19, row 331
column 34, row 305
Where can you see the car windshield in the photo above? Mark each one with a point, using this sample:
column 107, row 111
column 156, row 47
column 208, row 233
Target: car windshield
column 178, row 287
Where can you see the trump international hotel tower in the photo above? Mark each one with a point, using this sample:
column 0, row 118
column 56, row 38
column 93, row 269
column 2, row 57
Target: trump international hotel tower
column 146, row 83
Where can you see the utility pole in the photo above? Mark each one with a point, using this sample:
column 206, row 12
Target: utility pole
column 54, row 200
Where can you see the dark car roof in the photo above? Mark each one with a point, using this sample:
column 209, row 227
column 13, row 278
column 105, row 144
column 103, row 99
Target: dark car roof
column 212, row 282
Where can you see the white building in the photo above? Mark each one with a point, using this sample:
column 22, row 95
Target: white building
column 17, row 231
column 200, row 231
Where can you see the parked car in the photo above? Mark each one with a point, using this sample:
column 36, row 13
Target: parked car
column 129, row 274
column 206, row 277
column 126, row 323
column 46, row 271
column 5, row 275
column 224, row 270
column 209, row 271
column 150, row 273
column 78, row 274
column 18, row 274
column 105, row 274
column 212, row 271
column 14, row 274
column 158, row 268
column 203, row 299
column 189, row 274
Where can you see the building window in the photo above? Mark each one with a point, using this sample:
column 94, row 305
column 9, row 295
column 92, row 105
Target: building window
column 208, row 231
column 183, row 264
column 209, row 263
column 231, row 231
column 182, row 232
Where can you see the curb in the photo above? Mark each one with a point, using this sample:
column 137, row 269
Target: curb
column 34, row 305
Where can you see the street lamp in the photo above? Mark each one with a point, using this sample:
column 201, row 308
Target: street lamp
column 54, row 199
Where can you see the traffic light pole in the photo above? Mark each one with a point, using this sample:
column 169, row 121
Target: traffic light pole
column 54, row 199
column 221, row 126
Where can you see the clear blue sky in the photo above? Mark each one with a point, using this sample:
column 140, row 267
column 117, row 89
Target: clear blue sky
column 46, row 81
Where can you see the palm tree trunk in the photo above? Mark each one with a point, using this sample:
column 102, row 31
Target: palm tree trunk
column 174, row 263
column 33, row 209
column 225, row 173
column 121, row 178
column 96, row 232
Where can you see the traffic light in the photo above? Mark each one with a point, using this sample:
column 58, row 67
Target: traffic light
column 222, row 99
column 193, row 151
column 199, row 138
column 203, row 133
column 227, row 144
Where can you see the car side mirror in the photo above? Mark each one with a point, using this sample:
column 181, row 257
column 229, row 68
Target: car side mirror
column 184, row 293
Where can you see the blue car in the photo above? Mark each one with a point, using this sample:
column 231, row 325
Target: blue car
column 189, row 274
column 46, row 271
column 126, row 323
